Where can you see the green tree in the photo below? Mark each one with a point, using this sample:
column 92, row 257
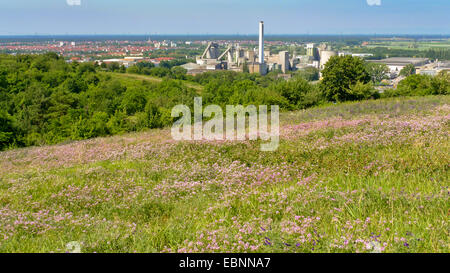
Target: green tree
column 160, row 72
column 378, row 72
column 3, row 80
column 309, row 74
column 339, row 74
column 113, row 67
column 408, row 70
column 178, row 72
column 134, row 100
column 7, row 130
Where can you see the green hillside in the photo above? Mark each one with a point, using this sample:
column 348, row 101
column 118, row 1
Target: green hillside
column 351, row 177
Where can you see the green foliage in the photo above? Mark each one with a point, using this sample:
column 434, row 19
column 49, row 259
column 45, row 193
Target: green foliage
column 7, row 130
column 299, row 93
column 45, row 100
column 133, row 101
column 422, row 85
column 378, row 72
column 339, row 74
column 178, row 72
column 361, row 91
column 115, row 67
column 309, row 74
column 438, row 53
column 119, row 123
column 169, row 69
column 408, row 70
column 172, row 63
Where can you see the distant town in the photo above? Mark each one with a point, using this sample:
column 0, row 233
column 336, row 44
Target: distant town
column 284, row 55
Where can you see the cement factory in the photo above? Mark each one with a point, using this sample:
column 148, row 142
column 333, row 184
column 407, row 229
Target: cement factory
column 237, row 58
column 258, row 60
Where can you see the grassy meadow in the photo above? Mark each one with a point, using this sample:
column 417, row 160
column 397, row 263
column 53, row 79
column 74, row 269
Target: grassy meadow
column 371, row 176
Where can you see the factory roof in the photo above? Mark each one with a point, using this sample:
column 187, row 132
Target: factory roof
column 402, row 61
column 197, row 71
column 444, row 65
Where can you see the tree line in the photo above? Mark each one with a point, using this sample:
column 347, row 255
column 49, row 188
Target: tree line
column 44, row 100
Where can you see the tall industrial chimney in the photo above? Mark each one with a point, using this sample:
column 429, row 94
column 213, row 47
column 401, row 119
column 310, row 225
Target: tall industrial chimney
column 261, row 42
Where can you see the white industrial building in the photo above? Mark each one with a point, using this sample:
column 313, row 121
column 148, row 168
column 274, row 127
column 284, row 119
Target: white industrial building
column 396, row 64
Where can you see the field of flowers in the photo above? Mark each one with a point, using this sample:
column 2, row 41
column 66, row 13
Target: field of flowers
column 358, row 177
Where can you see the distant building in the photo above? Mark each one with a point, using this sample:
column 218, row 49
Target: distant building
column 434, row 68
column 259, row 68
column 431, row 72
column 325, row 56
column 312, row 51
column 284, row 61
column 443, row 66
column 362, row 55
column 191, row 66
column 343, row 54
column 127, row 61
column 396, row 64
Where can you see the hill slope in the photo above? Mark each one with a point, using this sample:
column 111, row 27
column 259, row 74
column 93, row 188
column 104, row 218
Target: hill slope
column 369, row 176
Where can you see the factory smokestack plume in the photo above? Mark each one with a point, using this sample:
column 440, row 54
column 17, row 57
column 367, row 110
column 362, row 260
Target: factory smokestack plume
column 261, row 42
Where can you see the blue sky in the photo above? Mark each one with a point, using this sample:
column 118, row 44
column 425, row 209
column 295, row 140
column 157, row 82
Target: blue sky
column 21, row 17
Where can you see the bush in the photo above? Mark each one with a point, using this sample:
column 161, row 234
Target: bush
column 294, row 91
column 440, row 85
column 361, row 91
column 119, row 123
column 312, row 97
column 422, row 85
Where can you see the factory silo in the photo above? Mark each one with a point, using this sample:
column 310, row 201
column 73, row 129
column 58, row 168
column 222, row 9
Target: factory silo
column 325, row 56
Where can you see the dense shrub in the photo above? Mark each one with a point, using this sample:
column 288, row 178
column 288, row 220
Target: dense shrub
column 361, row 91
column 295, row 91
column 422, row 85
